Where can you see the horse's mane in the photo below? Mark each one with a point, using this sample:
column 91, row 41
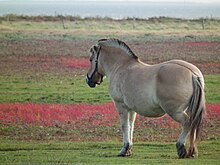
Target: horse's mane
column 118, row 44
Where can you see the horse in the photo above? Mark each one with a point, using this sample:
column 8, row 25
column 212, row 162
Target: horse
column 175, row 87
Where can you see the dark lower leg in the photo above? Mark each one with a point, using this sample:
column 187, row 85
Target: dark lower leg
column 126, row 150
column 181, row 150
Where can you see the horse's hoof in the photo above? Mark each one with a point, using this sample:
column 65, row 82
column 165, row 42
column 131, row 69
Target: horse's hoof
column 125, row 151
column 121, row 155
column 124, row 155
column 181, row 150
column 192, row 153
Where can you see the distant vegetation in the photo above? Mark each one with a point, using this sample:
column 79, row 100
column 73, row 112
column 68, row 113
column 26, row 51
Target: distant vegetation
column 14, row 17
column 93, row 28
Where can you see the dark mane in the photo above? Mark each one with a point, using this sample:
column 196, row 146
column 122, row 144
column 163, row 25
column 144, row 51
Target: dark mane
column 118, row 44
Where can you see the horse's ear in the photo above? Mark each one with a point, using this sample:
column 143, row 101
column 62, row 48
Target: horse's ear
column 94, row 49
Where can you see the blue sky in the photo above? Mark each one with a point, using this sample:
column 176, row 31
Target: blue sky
column 199, row 1
column 141, row 0
column 206, row 1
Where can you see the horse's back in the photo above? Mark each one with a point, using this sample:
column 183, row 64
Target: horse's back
column 178, row 72
column 186, row 65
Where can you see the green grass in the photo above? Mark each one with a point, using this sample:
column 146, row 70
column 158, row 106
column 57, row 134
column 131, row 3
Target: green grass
column 212, row 87
column 51, row 89
column 17, row 152
column 70, row 90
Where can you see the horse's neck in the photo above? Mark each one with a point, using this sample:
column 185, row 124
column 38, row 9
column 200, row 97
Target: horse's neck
column 114, row 61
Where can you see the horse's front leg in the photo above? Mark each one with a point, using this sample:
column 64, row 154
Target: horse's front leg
column 132, row 115
column 125, row 126
column 127, row 129
column 127, row 148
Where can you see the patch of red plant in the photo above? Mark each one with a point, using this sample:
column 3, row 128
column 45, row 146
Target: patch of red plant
column 97, row 115
column 69, row 62
column 213, row 109
column 48, row 114
column 75, row 63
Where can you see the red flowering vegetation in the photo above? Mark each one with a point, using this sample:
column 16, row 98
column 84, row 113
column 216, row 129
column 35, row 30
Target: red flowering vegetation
column 105, row 115
column 50, row 114
column 90, row 122
column 75, row 63
column 57, row 64
column 213, row 114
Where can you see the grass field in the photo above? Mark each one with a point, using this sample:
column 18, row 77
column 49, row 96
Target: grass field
column 68, row 90
column 48, row 115
column 99, row 153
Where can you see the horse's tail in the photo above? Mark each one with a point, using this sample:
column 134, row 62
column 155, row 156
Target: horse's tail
column 196, row 108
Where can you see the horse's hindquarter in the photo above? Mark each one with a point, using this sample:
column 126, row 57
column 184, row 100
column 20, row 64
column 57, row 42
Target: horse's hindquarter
column 174, row 85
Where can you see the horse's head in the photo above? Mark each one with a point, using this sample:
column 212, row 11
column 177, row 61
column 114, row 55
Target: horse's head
column 95, row 74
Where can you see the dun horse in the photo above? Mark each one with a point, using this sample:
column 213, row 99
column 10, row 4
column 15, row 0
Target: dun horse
column 174, row 87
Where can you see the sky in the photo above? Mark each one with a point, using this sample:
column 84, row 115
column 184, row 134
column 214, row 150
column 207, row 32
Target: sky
column 181, row 1
column 199, row 1
column 206, row 1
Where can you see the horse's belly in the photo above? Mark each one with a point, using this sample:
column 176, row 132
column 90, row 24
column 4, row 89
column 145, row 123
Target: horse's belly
column 150, row 111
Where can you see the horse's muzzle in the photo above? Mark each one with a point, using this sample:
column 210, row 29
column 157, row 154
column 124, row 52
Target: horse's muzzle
column 90, row 82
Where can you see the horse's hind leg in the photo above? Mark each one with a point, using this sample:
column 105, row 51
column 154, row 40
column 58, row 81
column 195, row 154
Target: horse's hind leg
column 180, row 145
column 183, row 119
column 192, row 152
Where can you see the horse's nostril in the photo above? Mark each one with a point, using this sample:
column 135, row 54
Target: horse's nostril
column 90, row 82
